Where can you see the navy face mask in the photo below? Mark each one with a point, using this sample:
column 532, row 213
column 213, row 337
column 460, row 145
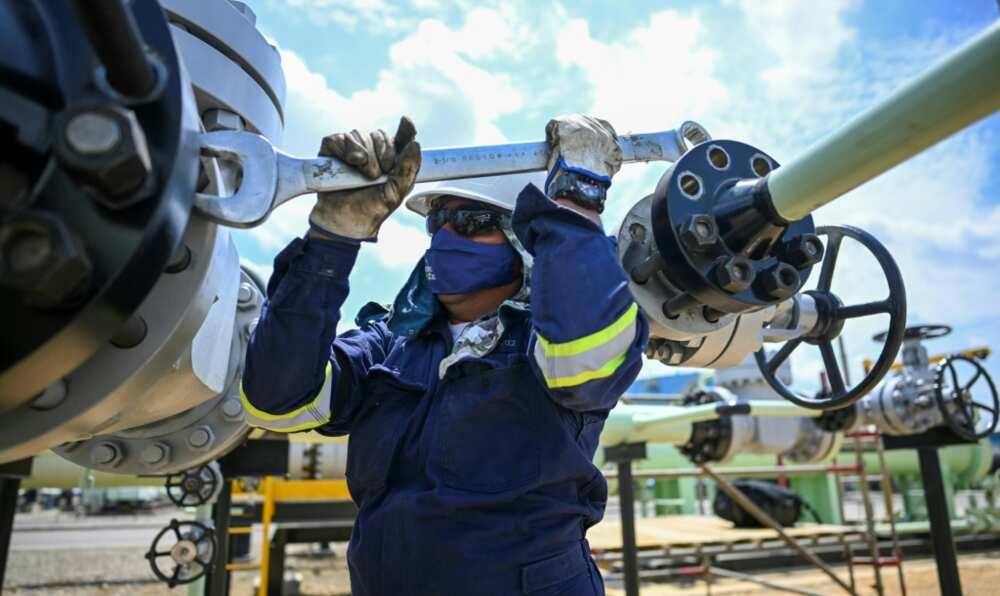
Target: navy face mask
column 456, row 265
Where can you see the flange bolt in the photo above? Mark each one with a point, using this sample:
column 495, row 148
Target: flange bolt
column 201, row 438
column 734, row 274
column 804, row 251
column 155, row 455
column 105, row 454
column 232, row 409
column 93, row 133
column 780, row 281
column 699, row 232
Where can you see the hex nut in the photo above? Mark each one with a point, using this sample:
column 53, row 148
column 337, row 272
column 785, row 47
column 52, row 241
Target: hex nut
column 779, row 281
column 734, row 274
column 232, row 409
column 93, row 133
column 201, row 438
column 120, row 174
column 699, row 232
column 41, row 258
column 106, row 454
column 155, row 455
column 247, row 297
column 804, row 250
column 216, row 119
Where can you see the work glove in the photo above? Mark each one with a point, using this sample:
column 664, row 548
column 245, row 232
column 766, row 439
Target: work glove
column 584, row 154
column 358, row 213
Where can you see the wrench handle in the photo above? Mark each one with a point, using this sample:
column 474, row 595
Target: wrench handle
column 298, row 176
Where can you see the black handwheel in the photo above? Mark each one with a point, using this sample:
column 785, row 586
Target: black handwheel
column 918, row 332
column 956, row 400
column 193, row 487
column 830, row 322
column 187, row 545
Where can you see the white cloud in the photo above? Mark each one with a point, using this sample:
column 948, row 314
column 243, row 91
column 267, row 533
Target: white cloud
column 935, row 212
column 804, row 39
column 349, row 14
column 783, row 75
column 434, row 78
column 663, row 71
column 400, row 244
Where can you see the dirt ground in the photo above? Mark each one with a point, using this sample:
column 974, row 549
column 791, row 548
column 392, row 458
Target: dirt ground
column 125, row 573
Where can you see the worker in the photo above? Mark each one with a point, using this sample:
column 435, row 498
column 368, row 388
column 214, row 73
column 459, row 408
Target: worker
column 473, row 404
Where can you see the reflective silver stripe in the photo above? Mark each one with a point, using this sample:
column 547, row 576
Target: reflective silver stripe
column 314, row 414
column 597, row 362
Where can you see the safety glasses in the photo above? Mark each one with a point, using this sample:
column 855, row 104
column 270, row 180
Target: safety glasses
column 465, row 220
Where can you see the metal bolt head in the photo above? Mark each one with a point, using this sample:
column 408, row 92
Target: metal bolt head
column 232, row 409
column 221, row 120
column 41, row 258
column 699, row 232
column 201, row 438
column 779, row 281
column 120, row 172
column 92, row 133
column 53, row 395
column 248, row 296
column 734, row 274
column 27, row 249
column 246, row 293
column 804, row 251
column 105, row 454
column 155, row 455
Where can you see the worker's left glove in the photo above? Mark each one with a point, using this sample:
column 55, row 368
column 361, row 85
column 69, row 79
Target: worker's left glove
column 358, row 213
column 584, row 154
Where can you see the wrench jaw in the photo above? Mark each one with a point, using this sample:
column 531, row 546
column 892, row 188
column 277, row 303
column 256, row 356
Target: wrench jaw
column 253, row 201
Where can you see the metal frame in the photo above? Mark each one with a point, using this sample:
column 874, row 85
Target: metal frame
column 942, row 540
column 11, row 475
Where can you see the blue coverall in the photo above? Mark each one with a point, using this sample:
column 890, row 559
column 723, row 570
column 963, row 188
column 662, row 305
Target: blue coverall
column 480, row 482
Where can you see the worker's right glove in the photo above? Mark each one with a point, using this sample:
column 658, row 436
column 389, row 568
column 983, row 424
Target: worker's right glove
column 584, row 154
column 358, row 213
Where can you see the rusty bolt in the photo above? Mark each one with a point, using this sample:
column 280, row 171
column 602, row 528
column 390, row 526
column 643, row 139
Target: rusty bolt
column 699, row 232
column 779, row 281
column 734, row 274
column 105, row 147
column 804, row 251
column 42, row 259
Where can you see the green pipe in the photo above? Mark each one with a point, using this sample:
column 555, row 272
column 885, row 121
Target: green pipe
column 48, row 470
column 961, row 89
column 966, row 463
column 672, row 424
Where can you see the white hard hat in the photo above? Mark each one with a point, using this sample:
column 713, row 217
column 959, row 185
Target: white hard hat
column 499, row 191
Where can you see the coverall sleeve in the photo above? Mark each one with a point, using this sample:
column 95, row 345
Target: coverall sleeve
column 299, row 375
column 588, row 334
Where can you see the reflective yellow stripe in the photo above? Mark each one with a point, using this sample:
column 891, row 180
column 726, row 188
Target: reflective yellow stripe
column 311, row 415
column 591, row 341
column 606, row 370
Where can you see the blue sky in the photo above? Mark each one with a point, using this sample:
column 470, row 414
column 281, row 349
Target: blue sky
column 776, row 74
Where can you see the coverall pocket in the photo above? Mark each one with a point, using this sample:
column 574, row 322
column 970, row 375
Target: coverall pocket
column 490, row 432
column 377, row 432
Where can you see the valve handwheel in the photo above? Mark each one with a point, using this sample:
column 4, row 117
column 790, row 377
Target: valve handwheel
column 831, row 317
column 920, row 332
column 191, row 552
column 193, row 487
column 957, row 403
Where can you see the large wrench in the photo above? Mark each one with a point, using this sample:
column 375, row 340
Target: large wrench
column 272, row 177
